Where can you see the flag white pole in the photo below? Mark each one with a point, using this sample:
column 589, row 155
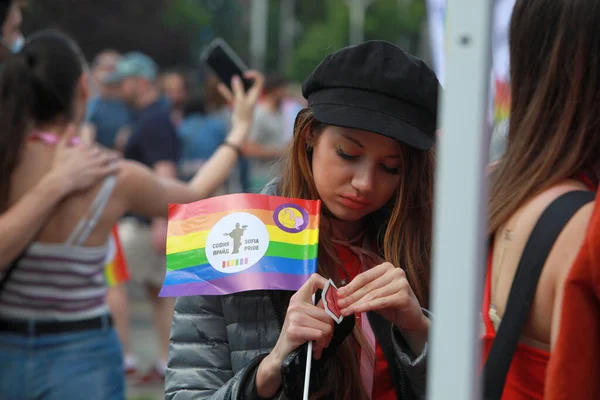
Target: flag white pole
column 307, row 371
column 308, row 364
column 461, row 204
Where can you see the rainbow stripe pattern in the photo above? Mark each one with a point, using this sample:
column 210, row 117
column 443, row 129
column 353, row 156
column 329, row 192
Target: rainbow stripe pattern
column 240, row 242
column 116, row 271
column 501, row 101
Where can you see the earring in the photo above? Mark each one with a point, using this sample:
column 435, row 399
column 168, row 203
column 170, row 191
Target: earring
column 309, row 148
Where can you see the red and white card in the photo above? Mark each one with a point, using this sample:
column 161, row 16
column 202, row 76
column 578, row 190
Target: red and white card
column 330, row 301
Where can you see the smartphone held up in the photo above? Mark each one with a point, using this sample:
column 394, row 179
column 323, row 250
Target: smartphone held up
column 225, row 63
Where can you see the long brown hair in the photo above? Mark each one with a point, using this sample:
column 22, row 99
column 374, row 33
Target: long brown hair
column 37, row 86
column 402, row 230
column 555, row 109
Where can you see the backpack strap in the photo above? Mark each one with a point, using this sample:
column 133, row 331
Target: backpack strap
column 522, row 292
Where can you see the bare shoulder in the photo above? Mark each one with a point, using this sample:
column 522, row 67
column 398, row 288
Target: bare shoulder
column 132, row 175
column 570, row 240
column 576, row 228
column 131, row 171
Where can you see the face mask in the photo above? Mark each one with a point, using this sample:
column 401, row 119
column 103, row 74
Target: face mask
column 17, row 44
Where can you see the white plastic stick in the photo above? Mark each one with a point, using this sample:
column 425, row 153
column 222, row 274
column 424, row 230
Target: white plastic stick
column 308, row 365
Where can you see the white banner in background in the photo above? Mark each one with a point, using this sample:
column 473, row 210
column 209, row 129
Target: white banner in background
column 437, row 14
column 436, row 19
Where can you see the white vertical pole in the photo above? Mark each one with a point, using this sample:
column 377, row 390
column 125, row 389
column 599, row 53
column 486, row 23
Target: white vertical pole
column 461, row 204
column 258, row 33
column 357, row 13
column 436, row 22
column 287, row 31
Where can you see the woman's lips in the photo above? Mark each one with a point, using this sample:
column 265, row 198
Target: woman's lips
column 354, row 203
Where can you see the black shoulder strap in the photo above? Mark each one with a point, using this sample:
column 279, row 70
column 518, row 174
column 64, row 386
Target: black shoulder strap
column 10, row 269
column 522, row 292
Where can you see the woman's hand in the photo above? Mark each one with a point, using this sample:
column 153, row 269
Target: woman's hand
column 79, row 167
column 243, row 105
column 304, row 322
column 386, row 290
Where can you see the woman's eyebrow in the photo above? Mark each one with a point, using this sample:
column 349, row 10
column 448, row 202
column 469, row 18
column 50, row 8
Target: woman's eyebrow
column 350, row 138
column 359, row 144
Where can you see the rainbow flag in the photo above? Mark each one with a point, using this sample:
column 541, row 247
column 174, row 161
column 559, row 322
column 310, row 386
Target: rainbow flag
column 501, row 101
column 116, row 271
column 240, row 242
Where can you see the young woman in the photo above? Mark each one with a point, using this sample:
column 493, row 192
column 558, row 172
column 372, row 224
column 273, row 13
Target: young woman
column 55, row 330
column 73, row 169
column 553, row 147
column 364, row 147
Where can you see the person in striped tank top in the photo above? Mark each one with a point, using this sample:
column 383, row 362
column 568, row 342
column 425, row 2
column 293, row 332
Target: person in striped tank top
column 56, row 332
column 23, row 218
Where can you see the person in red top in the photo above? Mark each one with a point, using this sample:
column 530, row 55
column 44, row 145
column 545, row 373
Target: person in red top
column 553, row 147
column 574, row 367
column 364, row 147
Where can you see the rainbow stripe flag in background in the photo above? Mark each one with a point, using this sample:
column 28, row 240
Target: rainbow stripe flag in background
column 116, row 271
column 501, row 101
column 241, row 242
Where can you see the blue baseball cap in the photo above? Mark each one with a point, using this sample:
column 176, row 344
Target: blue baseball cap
column 133, row 64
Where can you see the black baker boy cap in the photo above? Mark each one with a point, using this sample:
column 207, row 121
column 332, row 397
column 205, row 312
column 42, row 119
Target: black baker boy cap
column 377, row 87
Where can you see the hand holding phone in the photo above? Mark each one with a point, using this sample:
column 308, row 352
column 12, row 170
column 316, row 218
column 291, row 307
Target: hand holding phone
column 226, row 64
column 243, row 104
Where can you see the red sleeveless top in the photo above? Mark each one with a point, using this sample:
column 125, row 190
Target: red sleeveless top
column 526, row 377
column 527, row 373
column 575, row 366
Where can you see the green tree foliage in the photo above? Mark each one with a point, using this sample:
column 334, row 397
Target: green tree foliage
column 175, row 31
column 324, row 33
column 326, row 29
column 190, row 17
column 188, row 14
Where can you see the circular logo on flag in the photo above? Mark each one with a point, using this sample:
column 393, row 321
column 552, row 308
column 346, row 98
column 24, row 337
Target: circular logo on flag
column 290, row 218
column 236, row 242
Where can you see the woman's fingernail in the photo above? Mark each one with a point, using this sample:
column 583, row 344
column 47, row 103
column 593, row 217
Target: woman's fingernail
column 342, row 303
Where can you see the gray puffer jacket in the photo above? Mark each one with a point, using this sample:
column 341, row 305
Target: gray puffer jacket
column 217, row 343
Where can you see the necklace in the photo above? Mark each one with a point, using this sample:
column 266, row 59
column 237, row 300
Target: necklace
column 508, row 235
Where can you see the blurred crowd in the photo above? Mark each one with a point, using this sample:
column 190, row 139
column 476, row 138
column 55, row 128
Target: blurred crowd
column 125, row 86
column 94, row 152
column 173, row 121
